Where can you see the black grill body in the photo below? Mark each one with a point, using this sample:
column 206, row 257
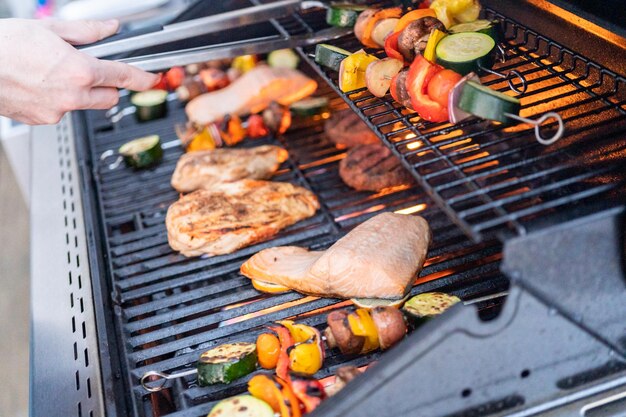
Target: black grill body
column 480, row 185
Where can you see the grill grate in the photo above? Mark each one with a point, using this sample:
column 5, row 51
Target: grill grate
column 493, row 180
column 171, row 308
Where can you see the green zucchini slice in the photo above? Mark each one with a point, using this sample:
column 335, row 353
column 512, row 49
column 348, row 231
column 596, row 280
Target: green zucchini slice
column 488, row 104
column 343, row 14
column 150, row 105
column 490, row 28
column 226, row 363
column 330, row 56
column 242, row 406
column 283, row 58
column 142, row 152
column 423, row 307
column 466, row 52
column 310, row 106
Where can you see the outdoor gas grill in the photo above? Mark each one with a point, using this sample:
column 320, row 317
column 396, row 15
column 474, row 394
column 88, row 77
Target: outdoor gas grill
column 531, row 236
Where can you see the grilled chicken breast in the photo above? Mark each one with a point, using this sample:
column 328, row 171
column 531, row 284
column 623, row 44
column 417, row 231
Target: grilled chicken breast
column 378, row 259
column 251, row 93
column 233, row 215
column 204, row 169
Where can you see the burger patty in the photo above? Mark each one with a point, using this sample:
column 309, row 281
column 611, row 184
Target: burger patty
column 371, row 168
column 346, row 129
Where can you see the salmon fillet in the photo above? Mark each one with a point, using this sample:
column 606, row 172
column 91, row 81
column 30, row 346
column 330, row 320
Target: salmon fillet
column 233, row 215
column 251, row 93
column 378, row 259
column 204, row 169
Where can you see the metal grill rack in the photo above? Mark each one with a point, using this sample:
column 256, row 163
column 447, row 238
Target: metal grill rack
column 171, row 308
column 493, row 180
column 487, row 179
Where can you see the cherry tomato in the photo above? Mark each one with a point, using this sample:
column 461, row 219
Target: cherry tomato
column 175, row 77
column 441, row 84
column 268, row 350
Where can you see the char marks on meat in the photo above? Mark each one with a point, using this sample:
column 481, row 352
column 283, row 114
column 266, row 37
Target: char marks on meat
column 346, row 129
column 372, row 168
column 234, row 215
column 205, row 169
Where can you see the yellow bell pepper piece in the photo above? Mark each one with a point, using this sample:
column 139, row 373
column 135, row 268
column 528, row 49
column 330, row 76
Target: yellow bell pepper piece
column 451, row 12
column 244, row 63
column 299, row 332
column 305, row 358
column 361, row 324
column 433, row 40
column 352, row 71
column 202, row 141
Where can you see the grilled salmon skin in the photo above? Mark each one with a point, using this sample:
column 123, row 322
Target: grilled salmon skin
column 380, row 258
column 204, row 169
column 251, row 93
column 233, row 215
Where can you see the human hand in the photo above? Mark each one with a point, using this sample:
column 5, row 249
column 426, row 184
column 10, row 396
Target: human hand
column 42, row 76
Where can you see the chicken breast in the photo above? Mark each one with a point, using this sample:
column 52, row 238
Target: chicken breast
column 204, row 169
column 378, row 259
column 251, row 93
column 233, row 215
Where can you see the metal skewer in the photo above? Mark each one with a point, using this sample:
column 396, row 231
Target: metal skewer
column 538, row 122
column 509, row 76
column 157, row 385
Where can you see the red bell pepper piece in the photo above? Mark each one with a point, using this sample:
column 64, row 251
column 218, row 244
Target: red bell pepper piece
column 420, row 74
column 286, row 341
column 391, row 46
column 309, row 391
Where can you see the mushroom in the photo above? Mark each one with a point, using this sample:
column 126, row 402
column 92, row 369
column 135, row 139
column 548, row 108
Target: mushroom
column 338, row 334
column 413, row 39
column 343, row 375
column 390, row 324
column 399, row 91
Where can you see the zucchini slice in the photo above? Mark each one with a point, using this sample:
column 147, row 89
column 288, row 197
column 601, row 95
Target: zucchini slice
column 330, row 56
column 488, row 104
column 343, row 14
column 150, row 105
column 226, row 363
column 283, row 58
column 423, row 307
column 492, row 28
column 466, row 52
column 242, row 406
column 310, row 106
column 142, row 152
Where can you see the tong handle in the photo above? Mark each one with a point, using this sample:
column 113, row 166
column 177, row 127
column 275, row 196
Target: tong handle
column 125, row 35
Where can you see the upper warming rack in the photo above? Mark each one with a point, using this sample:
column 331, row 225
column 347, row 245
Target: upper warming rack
column 496, row 180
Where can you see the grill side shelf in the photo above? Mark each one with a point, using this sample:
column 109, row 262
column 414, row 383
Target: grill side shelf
column 496, row 181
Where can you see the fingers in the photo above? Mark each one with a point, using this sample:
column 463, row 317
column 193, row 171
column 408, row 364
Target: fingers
column 115, row 74
column 81, row 32
column 102, row 98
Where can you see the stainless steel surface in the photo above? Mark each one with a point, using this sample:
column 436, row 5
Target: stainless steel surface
column 65, row 367
column 229, row 50
column 201, row 26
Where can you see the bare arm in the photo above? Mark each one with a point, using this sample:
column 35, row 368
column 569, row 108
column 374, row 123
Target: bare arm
column 42, row 76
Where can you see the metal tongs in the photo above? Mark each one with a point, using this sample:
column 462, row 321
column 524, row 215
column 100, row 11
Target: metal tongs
column 158, row 35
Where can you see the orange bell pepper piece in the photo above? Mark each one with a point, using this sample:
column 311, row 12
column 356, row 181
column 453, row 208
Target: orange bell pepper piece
column 393, row 12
